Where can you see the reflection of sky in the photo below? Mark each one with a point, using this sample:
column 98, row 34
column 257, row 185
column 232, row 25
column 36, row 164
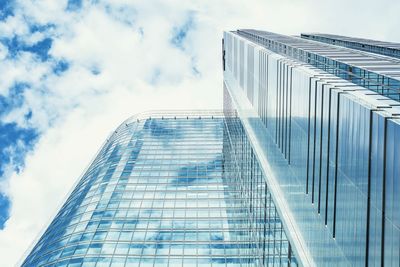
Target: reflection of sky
column 156, row 195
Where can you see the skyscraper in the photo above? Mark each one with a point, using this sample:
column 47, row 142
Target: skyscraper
column 300, row 169
column 324, row 121
column 160, row 192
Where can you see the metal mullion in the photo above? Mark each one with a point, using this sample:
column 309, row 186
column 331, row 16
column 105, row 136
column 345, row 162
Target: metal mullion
column 320, row 147
column 336, row 162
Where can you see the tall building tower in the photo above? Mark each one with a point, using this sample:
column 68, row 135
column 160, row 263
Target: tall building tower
column 169, row 189
column 301, row 168
column 324, row 121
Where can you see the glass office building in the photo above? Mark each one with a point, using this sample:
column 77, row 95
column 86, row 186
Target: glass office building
column 324, row 121
column 300, row 168
column 169, row 189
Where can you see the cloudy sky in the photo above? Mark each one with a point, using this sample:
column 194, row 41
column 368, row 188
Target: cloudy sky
column 71, row 71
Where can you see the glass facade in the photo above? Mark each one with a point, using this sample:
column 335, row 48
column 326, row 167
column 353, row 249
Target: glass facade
column 301, row 168
column 169, row 189
column 329, row 148
column 269, row 243
column 373, row 46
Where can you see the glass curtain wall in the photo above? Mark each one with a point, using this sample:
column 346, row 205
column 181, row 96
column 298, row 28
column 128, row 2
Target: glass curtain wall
column 164, row 190
column 263, row 224
column 330, row 145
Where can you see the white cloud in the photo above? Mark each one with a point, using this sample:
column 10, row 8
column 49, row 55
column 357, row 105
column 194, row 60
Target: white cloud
column 24, row 68
column 76, row 110
column 13, row 25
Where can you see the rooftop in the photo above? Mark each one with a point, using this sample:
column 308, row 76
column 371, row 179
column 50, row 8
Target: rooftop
column 375, row 72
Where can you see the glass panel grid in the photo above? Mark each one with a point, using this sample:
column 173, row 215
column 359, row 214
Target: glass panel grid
column 159, row 194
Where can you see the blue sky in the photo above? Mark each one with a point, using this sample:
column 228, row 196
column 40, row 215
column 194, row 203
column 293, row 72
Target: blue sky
column 71, row 71
column 17, row 140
